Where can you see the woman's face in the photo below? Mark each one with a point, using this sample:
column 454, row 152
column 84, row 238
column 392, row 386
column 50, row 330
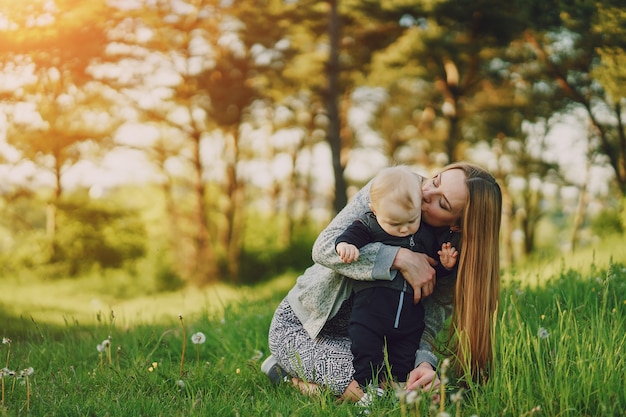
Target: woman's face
column 444, row 197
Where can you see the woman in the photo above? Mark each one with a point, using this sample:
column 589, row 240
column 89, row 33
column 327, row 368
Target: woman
column 308, row 336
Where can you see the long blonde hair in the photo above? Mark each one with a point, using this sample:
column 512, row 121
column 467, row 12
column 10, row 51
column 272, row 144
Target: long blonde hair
column 477, row 289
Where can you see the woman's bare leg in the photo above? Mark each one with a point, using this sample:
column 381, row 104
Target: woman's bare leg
column 353, row 392
column 307, row 388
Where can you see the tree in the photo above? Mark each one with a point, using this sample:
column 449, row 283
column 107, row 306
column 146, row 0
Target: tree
column 65, row 108
column 451, row 47
column 580, row 51
column 220, row 58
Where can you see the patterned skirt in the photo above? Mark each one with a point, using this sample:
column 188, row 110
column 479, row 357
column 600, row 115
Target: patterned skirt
column 325, row 360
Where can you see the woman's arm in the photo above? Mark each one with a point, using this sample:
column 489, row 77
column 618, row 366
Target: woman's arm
column 375, row 259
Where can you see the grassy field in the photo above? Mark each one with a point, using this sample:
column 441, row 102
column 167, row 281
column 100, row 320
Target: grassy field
column 560, row 341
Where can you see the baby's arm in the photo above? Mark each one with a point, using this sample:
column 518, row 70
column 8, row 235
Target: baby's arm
column 347, row 252
column 448, row 255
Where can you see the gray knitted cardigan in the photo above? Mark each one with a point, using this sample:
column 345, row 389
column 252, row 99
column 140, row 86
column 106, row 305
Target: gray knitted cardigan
column 320, row 291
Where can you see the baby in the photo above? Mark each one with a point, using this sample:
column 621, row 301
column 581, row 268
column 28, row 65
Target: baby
column 382, row 316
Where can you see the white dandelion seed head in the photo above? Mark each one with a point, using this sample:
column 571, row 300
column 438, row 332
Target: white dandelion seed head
column 413, row 397
column 198, row 338
column 180, row 383
column 400, row 393
column 106, row 343
column 100, row 348
column 543, row 333
column 257, row 355
column 29, row 371
column 6, row 341
column 457, row 396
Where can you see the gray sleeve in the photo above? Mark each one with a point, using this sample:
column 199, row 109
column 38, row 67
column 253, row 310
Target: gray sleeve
column 375, row 259
column 436, row 315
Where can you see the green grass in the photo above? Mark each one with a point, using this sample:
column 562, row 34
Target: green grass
column 577, row 370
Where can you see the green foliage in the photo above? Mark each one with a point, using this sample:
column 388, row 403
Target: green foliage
column 264, row 256
column 607, row 222
column 559, row 351
column 561, row 345
column 96, row 233
column 165, row 276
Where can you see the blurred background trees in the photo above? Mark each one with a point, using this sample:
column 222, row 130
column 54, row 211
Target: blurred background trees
column 195, row 141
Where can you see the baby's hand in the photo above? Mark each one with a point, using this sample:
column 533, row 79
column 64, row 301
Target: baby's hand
column 347, row 252
column 448, row 255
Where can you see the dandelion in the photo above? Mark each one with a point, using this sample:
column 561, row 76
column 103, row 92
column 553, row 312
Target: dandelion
column 118, row 353
column 456, row 400
column 238, row 371
column 180, row 383
column 101, row 348
column 7, row 341
column 107, row 346
column 401, row 395
column 25, row 373
column 442, row 387
column 543, row 333
column 198, row 339
column 153, row 367
column 414, row 398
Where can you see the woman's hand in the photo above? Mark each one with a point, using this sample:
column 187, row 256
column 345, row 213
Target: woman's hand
column 423, row 377
column 417, row 269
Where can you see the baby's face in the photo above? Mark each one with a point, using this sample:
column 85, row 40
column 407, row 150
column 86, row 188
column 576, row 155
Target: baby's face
column 397, row 221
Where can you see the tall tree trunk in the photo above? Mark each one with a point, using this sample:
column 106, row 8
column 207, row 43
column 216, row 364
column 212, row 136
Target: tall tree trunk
column 333, row 71
column 205, row 265
column 51, row 210
column 235, row 206
column 579, row 215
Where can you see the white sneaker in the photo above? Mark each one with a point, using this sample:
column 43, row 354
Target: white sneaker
column 365, row 401
column 274, row 372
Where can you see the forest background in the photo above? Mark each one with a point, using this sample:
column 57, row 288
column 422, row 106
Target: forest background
column 155, row 144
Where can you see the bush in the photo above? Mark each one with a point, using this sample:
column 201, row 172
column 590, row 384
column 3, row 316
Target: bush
column 260, row 262
column 96, row 234
column 607, row 222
